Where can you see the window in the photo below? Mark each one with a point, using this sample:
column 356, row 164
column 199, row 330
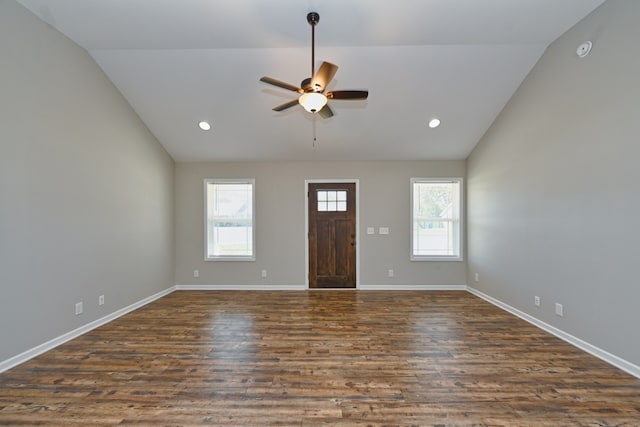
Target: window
column 436, row 229
column 230, row 231
column 332, row 200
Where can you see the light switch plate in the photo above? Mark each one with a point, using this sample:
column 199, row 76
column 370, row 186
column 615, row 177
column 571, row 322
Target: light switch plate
column 383, row 230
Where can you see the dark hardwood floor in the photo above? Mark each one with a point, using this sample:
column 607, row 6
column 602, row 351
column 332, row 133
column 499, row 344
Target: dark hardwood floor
column 318, row 358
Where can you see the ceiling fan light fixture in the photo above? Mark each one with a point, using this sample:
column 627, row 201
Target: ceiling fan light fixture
column 312, row 101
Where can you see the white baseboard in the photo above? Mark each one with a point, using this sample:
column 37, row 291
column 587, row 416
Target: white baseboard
column 240, row 287
column 38, row 350
column 304, row 287
column 413, row 287
column 612, row 359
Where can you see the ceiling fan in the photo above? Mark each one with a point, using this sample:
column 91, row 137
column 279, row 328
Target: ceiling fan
column 313, row 98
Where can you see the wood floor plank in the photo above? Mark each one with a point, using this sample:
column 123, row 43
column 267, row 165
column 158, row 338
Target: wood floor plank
column 343, row 358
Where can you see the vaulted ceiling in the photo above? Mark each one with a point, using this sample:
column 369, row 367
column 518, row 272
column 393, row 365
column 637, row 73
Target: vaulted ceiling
column 178, row 62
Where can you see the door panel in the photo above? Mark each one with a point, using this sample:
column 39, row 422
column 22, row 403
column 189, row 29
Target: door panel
column 325, row 238
column 343, row 245
column 332, row 235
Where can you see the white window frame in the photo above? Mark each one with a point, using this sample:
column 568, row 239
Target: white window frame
column 252, row 257
column 458, row 225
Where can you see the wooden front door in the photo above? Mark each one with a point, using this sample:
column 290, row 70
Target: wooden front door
column 332, row 235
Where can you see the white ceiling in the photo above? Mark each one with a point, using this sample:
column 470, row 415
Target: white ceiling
column 181, row 61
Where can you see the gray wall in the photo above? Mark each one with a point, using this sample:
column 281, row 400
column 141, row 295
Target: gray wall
column 86, row 192
column 280, row 222
column 553, row 199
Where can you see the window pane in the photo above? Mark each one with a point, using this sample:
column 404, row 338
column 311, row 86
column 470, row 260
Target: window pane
column 341, row 195
column 433, row 200
column 331, row 195
column 342, row 206
column 322, row 195
column 232, row 240
column 230, row 219
column 433, row 238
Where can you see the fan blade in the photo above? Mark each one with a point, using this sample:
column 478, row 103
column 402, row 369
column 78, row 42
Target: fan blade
column 325, row 112
column 323, row 76
column 286, row 105
column 348, row 94
column 283, row 85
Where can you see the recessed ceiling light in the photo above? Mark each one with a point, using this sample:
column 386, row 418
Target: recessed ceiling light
column 204, row 125
column 434, row 123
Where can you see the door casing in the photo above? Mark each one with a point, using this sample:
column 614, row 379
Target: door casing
column 306, row 224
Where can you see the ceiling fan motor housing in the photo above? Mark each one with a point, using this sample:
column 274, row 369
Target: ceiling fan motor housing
column 306, row 86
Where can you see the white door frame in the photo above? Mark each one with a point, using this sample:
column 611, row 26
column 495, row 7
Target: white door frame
column 306, row 223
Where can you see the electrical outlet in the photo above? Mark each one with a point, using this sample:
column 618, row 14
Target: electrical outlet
column 101, row 300
column 196, row 273
column 536, row 301
column 391, row 273
column 559, row 309
column 264, row 273
column 79, row 308
column 477, row 277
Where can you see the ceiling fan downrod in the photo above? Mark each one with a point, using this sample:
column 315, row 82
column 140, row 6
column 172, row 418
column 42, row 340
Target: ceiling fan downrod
column 313, row 18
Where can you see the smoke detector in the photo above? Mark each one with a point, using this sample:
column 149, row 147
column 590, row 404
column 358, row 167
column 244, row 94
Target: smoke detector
column 584, row 49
